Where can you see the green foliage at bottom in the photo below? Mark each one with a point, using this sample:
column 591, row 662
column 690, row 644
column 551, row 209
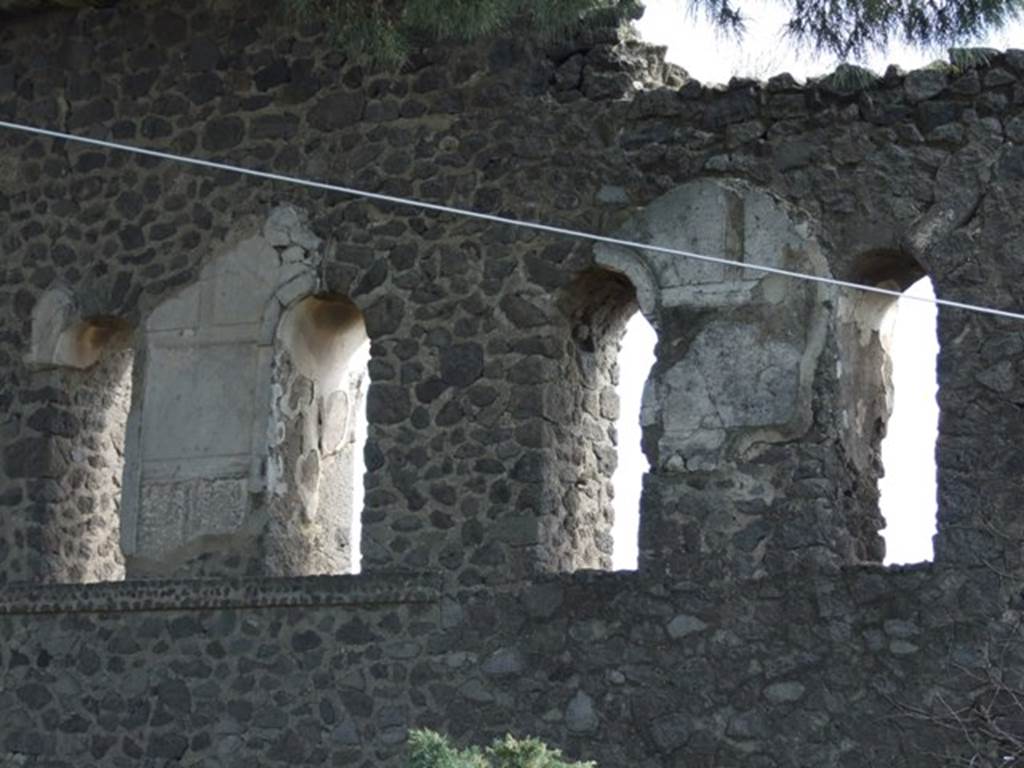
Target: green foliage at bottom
column 432, row 750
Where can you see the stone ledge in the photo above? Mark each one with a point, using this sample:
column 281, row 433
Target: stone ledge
column 132, row 596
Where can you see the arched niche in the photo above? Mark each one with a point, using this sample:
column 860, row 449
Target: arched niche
column 81, row 368
column 600, row 304
column 319, row 392
column 208, row 484
column 584, row 444
column 735, row 421
column 864, row 325
column 62, row 338
column 553, row 511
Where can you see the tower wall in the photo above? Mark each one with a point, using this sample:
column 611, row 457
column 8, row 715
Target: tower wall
column 760, row 629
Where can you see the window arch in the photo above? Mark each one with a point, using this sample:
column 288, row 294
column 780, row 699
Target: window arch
column 908, row 488
column 240, row 441
column 83, row 370
column 599, row 304
column 748, row 474
column 313, row 462
column 889, row 488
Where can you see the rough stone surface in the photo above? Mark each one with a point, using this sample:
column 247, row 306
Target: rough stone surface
column 759, row 631
column 352, row 662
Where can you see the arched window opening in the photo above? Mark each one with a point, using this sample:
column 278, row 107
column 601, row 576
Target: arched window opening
column 88, row 366
column 636, row 356
column 320, row 410
column 888, row 411
column 600, row 481
column 907, row 488
column 241, row 439
column 102, row 400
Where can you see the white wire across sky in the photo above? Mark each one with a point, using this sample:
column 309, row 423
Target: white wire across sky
column 496, row 219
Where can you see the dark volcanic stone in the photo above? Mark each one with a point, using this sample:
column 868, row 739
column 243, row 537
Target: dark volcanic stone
column 34, row 695
column 384, row 316
column 283, row 126
column 274, row 74
column 34, row 457
column 306, row 641
column 462, row 364
column 169, row 746
column 174, row 695
column 54, row 421
column 337, row 110
column 387, row 404
column 223, row 133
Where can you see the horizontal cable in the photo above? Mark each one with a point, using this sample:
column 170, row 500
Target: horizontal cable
column 532, row 225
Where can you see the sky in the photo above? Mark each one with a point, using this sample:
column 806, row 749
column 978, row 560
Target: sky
column 908, row 451
column 712, row 58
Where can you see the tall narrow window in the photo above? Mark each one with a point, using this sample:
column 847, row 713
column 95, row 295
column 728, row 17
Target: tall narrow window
column 320, row 375
column 84, row 368
column 359, row 365
column 583, row 426
column 100, row 400
column 908, row 451
column 636, row 356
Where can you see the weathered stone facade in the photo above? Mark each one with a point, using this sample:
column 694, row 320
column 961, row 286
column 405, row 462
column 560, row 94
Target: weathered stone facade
column 178, row 390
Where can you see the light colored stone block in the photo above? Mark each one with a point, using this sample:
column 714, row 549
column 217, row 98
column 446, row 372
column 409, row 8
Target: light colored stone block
column 198, row 401
column 749, row 367
column 177, row 313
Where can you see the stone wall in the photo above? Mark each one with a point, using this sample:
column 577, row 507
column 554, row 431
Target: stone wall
column 758, row 630
column 855, row 670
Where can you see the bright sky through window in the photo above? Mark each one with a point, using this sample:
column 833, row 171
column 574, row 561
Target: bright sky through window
column 908, row 452
column 635, row 361
column 712, row 57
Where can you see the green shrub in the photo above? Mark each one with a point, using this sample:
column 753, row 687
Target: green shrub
column 432, row 750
